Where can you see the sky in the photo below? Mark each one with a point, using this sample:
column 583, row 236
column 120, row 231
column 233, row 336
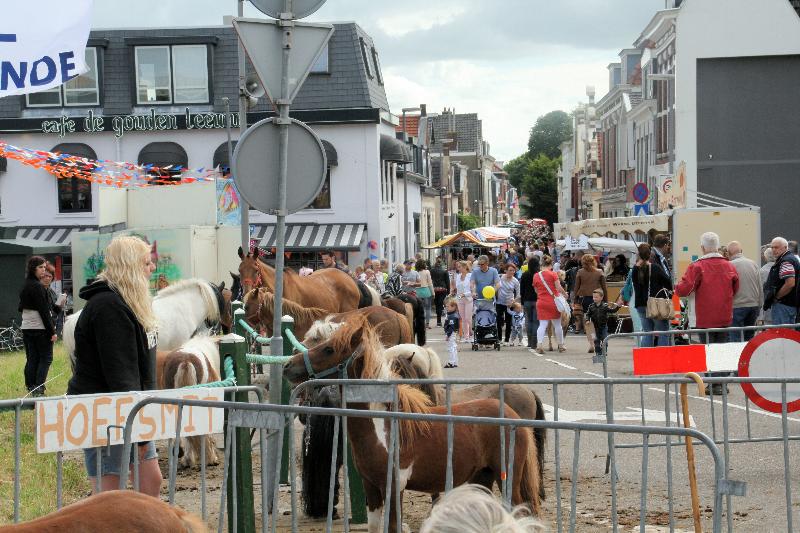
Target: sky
column 510, row 61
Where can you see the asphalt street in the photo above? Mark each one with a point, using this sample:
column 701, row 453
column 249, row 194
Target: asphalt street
column 760, row 465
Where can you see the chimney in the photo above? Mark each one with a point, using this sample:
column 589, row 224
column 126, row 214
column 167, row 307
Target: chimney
column 590, row 94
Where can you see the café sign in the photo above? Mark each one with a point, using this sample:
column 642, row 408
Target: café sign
column 145, row 122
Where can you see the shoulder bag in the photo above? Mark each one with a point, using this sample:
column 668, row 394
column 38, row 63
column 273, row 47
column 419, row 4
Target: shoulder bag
column 658, row 308
column 561, row 303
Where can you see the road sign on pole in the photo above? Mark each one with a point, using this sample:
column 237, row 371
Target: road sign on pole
column 299, row 8
column 256, row 167
column 261, row 38
column 773, row 353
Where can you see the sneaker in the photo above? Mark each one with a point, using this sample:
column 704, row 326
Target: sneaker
column 450, row 365
column 562, row 348
column 540, row 350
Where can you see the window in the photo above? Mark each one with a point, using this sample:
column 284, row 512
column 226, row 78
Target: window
column 365, row 57
column 377, row 65
column 172, row 74
column 74, row 195
column 83, row 90
column 322, row 64
column 323, row 199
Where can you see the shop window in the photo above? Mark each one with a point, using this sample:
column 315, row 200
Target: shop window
column 74, row 195
column 83, row 90
column 172, row 74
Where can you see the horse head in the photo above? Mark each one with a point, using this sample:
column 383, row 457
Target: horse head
column 225, row 309
column 250, row 270
column 254, row 306
column 353, row 351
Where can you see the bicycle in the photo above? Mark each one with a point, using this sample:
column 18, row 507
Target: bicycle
column 11, row 338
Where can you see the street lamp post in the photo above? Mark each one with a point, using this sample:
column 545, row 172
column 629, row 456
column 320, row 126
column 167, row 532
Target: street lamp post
column 442, row 192
column 405, row 180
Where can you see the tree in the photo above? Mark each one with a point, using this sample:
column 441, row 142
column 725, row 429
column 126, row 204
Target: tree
column 468, row 221
column 540, row 185
column 516, row 169
column 548, row 133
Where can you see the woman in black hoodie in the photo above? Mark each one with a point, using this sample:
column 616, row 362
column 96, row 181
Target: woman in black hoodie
column 114, row 337
column 528, row 297
column 38, row 330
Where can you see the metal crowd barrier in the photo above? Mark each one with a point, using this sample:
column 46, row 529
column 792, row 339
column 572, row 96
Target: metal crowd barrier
column 274, row 418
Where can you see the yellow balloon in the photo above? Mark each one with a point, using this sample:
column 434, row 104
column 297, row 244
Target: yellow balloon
column 488, row 292
column 524, row 268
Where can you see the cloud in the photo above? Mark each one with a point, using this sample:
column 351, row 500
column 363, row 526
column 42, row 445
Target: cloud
column 510, row 61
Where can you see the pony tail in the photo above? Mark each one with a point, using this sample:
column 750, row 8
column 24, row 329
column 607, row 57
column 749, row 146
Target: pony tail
column 185, row 375
column 531, row 488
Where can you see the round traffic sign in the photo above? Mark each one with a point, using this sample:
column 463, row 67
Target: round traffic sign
column 300, row 8
column 256, row 168
column 773, row 353
column 640, row 193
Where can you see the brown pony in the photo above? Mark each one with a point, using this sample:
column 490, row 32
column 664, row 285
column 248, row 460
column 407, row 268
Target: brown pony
column 399, row 306
column 121, row 511
column 313, row 324
column 195, row 362
column 328, row 288
column 423, row 445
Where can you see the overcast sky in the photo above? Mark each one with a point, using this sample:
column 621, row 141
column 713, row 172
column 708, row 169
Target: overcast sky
column 508, row 60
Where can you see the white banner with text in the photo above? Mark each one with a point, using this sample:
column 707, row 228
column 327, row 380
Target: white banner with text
column 76, row 422
column 42, row 44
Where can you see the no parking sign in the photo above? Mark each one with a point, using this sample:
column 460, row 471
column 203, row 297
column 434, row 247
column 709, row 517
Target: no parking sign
column 773, row 353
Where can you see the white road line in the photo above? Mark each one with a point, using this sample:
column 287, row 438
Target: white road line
column 633, row 414
column 730, row 404
column 559, row 363
column 593, row 374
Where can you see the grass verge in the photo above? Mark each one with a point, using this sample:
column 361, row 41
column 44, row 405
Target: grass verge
column 38, row 471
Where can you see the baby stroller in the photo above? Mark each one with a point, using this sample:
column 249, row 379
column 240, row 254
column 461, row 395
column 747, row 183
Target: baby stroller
column 484, row 325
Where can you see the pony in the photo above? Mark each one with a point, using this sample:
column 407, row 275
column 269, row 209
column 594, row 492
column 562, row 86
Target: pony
column 327, row 288
column 195, row 362
column 182, row 309
column 422, row 445
column 419, row 326
column 422, row 357
column 122, row 511
column 401, row 307
column 313, row 324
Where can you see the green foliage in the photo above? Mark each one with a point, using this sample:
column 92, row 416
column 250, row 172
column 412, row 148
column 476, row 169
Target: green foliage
column 516, row 169
column 540, row 185
column 468, row 221
column 548, row 133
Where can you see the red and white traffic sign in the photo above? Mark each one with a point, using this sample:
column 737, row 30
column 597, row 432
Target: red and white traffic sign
column 686, row 358
column 773, row 353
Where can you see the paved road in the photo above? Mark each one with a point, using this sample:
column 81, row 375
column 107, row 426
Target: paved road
column 759, row 464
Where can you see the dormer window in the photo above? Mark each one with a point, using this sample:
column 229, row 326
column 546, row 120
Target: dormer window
column 172, row 74
column 377, row 65
column 365, row 57
column 83, row 90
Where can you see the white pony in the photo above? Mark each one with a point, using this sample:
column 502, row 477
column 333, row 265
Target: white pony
column 422, row 357
column 182, row 309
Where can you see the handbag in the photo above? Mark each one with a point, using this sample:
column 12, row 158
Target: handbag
column 561, row 303
column 658, row 308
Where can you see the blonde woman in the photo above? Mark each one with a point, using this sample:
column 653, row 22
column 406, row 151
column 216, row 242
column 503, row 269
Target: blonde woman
column 114, row 337
column 461, row 288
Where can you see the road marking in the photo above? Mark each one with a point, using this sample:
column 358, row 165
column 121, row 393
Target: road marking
column 593, row 374
column 559, row 363
column 730, row 404
column 633, row 414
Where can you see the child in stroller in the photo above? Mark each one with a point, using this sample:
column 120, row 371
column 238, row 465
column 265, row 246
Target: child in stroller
column 484, row 324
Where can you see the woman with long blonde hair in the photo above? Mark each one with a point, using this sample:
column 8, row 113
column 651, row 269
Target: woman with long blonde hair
column 114, row 337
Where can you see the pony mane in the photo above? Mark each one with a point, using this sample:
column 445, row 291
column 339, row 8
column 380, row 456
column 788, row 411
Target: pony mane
column 410, row 399
column 322, row 330
column 207, row 294
column 304, row 317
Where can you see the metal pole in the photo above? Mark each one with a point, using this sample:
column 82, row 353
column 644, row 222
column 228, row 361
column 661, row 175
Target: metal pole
column 405, row 192
column 276, row 343
column 245, row 209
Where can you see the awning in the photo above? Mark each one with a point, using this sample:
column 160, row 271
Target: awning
column 163, row 154
column 395, row 150
column 310, row 237
column 52, row 234
column 600, row 227
column 330, row 153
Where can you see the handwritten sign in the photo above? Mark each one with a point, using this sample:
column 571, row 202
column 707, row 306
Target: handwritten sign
column 77, row 422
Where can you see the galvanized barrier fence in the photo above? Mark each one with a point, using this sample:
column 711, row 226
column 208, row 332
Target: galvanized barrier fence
column 275, row 418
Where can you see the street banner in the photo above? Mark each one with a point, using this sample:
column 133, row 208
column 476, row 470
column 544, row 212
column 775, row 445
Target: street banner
column 42, row 44
column 76, row 422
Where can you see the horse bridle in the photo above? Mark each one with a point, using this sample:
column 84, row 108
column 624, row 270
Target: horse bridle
column 220, row 304
column 340, row 368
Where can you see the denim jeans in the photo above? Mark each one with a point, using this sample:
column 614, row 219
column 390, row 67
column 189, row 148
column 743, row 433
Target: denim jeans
column 783, row 314
column 600, row 334
column 648, row 324
column 742, row 317
column 532, row 322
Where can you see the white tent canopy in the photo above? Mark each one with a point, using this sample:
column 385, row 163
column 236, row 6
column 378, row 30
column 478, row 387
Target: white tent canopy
column 606, row 244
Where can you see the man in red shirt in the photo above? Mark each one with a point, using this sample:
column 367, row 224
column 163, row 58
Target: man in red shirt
column 710, row 283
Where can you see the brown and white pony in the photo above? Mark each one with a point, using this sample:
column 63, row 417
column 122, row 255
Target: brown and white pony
column 195, row 362
column 423, row 445
column 327, row 288
column 312, row 324
column 121, row 511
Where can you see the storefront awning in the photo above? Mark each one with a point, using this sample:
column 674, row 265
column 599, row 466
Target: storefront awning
column 395, row 150
column 52, row 234
column 40, row 240
column 313, row 237
column 330, row 153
